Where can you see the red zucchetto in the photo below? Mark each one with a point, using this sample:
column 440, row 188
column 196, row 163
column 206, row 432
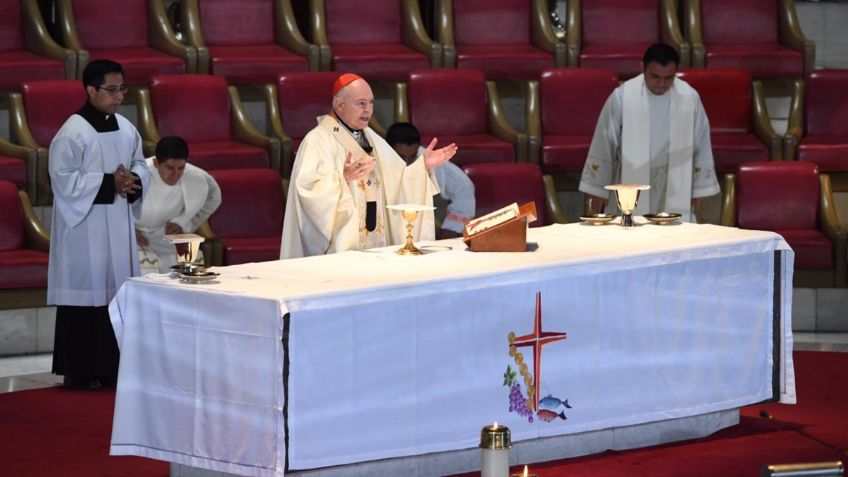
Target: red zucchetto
column 343, row 81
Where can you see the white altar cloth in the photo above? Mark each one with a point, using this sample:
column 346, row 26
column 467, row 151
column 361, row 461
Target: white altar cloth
column 359, row 356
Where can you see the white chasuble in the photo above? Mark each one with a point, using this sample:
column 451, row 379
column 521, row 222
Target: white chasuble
column 660, row 140
column 92, row 246
column 326, row 214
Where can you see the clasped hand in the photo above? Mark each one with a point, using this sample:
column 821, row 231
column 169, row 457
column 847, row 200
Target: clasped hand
column 125, row 181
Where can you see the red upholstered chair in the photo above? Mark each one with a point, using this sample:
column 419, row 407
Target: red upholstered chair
column 27, row 53
column 460, row 106
column 563, row 114
column 35, row 116
column 248, row 41
column 378, row 40
column 17, row 165
column 248, row 226
column 139, row 38
column 24, row 247
column 614, row 34
column 209, row 115
column 762, row 36
column 792, row 199
column 506, row 39
column 740, row 130
column 498, row 185
column 818, row 123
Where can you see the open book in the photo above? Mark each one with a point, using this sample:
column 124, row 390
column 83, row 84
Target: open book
column 491, row 219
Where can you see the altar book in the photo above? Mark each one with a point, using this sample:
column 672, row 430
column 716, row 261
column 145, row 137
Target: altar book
column 504, row 230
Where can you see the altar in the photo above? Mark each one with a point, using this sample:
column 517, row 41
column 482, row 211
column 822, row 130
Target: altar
column 358, row 357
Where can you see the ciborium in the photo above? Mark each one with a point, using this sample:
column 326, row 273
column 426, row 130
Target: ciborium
column 187, row 248
column 627, row 196
column 410, row 213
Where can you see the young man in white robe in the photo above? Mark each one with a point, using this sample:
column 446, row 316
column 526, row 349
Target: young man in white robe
column 98, row 176
column 652, row 130
column 179, row 199
column 456, row 204
column 344, row 177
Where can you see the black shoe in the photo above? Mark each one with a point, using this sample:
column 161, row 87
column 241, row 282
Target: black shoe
column 84, row 384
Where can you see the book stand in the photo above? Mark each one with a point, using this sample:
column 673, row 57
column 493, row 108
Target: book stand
column 509, row 236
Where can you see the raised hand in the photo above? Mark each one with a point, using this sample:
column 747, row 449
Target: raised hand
column 435, row 157
column 359, row 168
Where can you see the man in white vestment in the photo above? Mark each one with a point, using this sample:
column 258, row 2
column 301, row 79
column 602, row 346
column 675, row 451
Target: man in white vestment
column 179, row 199
column 98, row 176
column 344, row 177
column 653, row 130
column 456, row 189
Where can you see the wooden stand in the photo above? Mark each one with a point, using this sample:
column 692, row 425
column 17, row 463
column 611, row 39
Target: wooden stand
column 510, row 236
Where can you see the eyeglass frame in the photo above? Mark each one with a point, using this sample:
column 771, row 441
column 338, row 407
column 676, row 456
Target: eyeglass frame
column 122, row 88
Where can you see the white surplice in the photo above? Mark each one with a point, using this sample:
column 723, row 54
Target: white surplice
column 188, row 203
column 324, row 213
column 661, row 140
column 92, row 246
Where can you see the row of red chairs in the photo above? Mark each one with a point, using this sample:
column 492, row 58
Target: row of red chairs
column 453, row 105
column 790, row 198
column 253, row 41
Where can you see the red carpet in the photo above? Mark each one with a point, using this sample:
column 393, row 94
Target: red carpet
column 58, row 432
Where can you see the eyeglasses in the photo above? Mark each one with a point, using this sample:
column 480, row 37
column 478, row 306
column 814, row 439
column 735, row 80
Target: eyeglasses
column 114, row 90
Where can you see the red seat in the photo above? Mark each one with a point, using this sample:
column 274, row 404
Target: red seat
column 570, row 101
column 35, row 116
column 790, row 198
column 385, row 41
column 247, row 42
column 249, row 223
column 205, row 112
column 614, row 34
column 24, row 246
column 761, row 36
column 505, row 39
column 293, row 104
column 740, row 130
column 140, row 38
column 498, row 185
column 823, row 122
column 473, row 121
column 27, row 53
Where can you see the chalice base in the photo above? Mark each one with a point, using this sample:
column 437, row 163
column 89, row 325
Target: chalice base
column 409, row 249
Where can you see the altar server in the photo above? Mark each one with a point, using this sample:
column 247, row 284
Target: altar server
column 179, row 199
column 98, row 176
column 653, row 130
column 345, row 175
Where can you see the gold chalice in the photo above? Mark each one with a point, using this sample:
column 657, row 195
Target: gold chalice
column 410, row 213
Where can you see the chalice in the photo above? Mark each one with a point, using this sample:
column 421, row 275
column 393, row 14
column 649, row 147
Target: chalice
column 187, row 247
column 627, row 196
column 410, row 213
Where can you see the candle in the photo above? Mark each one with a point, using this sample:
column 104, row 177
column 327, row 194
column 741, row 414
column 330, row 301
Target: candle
column 524, row 474
column 494, row 454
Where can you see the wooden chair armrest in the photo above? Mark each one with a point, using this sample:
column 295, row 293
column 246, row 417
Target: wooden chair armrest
column 790, row 34
column 275, row 129
column 542, row 32
column 692, row 27
column 763, row 129
column 415, row 36
column 795, row 124
column 37, row 236
column 553, row 207
column 573, row 32
column 244, row 131
column 29, row 156
column 289, row 35
column 500, row 127
column 162, row 37
column 728, row 200
column 830, row 226
column 444, row 32
column 401, row 103
column 534, row 122
column 671, row 33
column 146, row 122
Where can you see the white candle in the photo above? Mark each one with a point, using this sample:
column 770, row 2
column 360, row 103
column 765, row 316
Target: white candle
column 494, row 451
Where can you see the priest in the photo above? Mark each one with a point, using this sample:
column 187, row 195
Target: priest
column 344, row 177
column 98, row 176
column 653, row 130
column 179, row 199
